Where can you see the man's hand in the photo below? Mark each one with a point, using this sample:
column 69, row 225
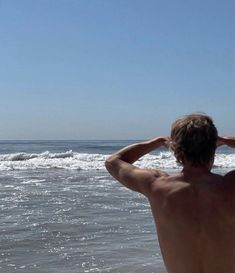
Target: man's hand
column 166, row 141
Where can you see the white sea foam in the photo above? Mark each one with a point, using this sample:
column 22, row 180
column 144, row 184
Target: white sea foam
column 47, row 160
column 84, row 161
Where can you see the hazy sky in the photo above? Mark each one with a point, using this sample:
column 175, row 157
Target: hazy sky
column 120, row 69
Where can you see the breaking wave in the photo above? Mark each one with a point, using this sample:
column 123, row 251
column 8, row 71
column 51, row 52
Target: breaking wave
column 85, row 161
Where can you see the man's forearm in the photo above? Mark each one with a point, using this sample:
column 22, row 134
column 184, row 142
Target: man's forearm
column 133, row 152
column 229, row 141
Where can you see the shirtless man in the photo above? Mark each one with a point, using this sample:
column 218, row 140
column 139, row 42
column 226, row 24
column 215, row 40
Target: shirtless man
column 194, row 210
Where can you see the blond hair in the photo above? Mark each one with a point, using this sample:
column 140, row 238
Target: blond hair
column 193, row 138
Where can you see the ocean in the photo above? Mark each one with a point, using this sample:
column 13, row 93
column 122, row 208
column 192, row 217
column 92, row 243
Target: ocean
column 61, row 212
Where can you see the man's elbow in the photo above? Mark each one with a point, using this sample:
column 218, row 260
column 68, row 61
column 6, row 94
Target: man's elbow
column 107, row 163
column 110, row 161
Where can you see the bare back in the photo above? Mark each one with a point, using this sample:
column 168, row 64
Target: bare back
column 194, row 211
column 195, row 220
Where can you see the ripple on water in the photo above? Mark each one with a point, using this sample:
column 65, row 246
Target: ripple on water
column 74, row 222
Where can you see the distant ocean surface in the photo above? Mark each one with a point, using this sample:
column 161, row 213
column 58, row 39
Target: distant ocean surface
column 61, row 212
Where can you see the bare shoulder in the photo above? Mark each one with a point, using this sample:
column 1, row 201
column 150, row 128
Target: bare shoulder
column 170, row 195
column 158, row 174
column 166, row 185
column 229, row 183
column 230, row 176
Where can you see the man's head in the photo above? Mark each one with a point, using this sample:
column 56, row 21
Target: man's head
column 193, row 139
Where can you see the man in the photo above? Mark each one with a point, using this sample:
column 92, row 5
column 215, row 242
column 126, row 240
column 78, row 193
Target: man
column 194, row 210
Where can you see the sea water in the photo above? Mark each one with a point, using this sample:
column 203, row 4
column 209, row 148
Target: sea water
column 62, row 212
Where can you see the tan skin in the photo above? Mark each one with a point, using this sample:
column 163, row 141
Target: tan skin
column 194, row 210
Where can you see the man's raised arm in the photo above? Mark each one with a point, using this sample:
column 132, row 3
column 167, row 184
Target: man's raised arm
column 226, row 140
column 120, row 165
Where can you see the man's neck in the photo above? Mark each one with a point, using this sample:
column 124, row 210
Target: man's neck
column 188, row 168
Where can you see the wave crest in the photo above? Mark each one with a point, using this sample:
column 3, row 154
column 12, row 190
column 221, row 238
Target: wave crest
column 84, row 161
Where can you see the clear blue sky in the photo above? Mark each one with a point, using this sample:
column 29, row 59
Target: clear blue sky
column 114, row 69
